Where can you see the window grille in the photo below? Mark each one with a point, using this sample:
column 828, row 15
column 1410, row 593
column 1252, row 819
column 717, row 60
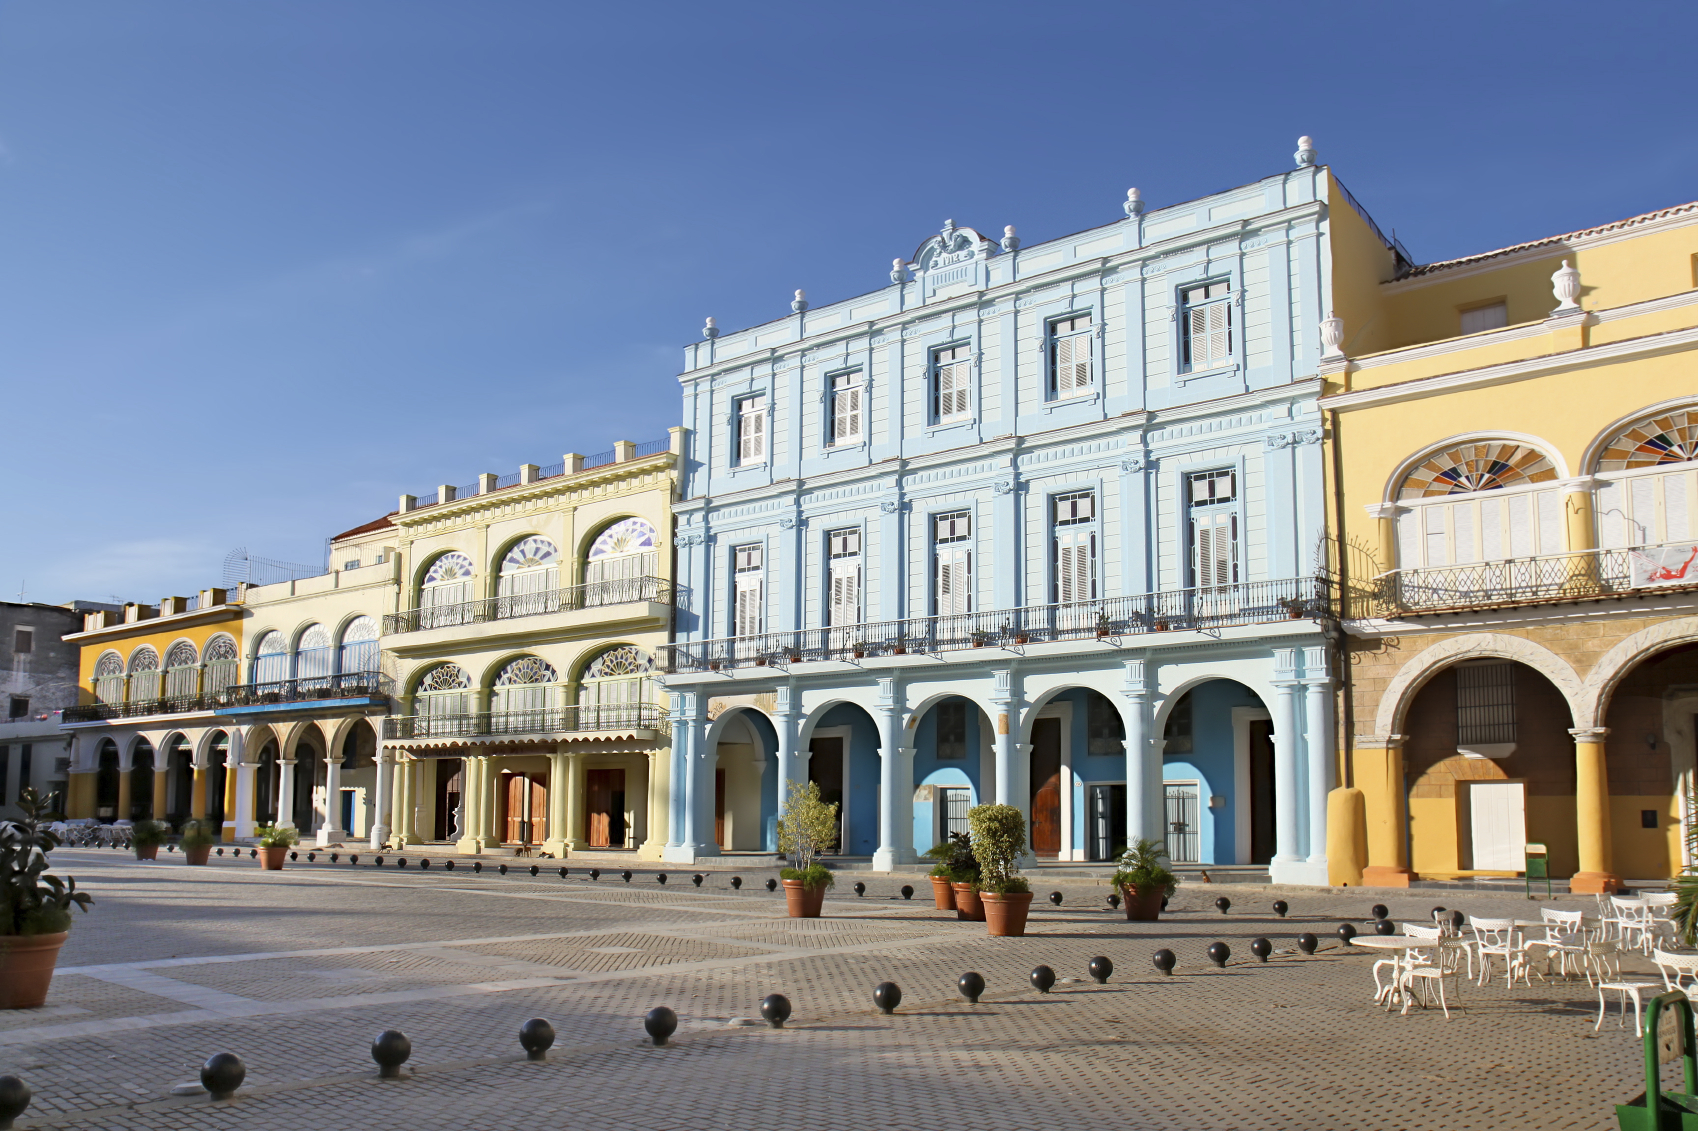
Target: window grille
column 748, row 577
column 109, row 678
column 952, row 568
column 144, row 675
column 530, row 573
column 1485, row 703
column 956, row 803
column 952, row 371
column 222, row 664
column 359, row 646
column 1206, row 311
column 751, row 430
column 1182, row 822
column 1070, row 355
column 844, row 547
column 315, row 656
column 846, row 408
column 619, row 556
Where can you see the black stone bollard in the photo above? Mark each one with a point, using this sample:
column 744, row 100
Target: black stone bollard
column 1261, row 948
column 1437, row 911
column 564, row 872
column 448, row 865
column 626, row 876
column 1164, row 961
column 1346, row 932
column 1164, row 903
column 535, row 869
column 477, row 867
column 502, row 868
column 390, row 1049
column 1100, row 969
column 353, row 860
column 294, row 855
column 1385, row 927
column 535, row 1037
column 661, row 879
column 1223, row 905
column 14, row 1098
column 222, row 1074
column 221, row 852
column 1457, row 919
column 860, row 888
column 311, row 856
column 696, row 879
column 1219, row 952
column 907, row 892
column 335, row 857
column 1378, row 911
column 1114, row 900
column 771, row 884
column 378, row 861
column 660, row 1023
column 595, row 873
column 776, row 1009
column 972, row 985
column 736, row 883
column 400, row 861
column 253, row 854
column 424, row 865
column 1043, row 978
column 1055, row 899
column 1307, row 943
column 887, row 996
column 1281, row 907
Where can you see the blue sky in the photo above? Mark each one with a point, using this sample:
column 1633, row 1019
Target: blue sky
column 266, row 265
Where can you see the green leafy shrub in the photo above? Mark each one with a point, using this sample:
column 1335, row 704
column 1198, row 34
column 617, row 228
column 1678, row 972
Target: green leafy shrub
column 278, row 836
column 955, row 860
column 149, row 834
column 807, row 827
column 1143, row 867
column 32, row 901
column 813, row 876
column 195, row 835
column 999, row 836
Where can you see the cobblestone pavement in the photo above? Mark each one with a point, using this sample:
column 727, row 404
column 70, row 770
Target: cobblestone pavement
column 297, row 971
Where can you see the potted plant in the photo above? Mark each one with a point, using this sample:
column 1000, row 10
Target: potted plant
column 35, row 907
column 999, row 835
column 955, row 864
column 274, row 844
column 1104, row 626
column 979, row 639
column 196, row 842
column 858, row 649
column 146, row 837
column 1144, row 879
column 807, row 828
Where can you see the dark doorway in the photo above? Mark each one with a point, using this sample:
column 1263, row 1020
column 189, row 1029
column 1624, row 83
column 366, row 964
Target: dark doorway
column 1046, row 787
column 216, row 772
column 306, row 775
column 1261, row 791
column 604, row 808
column 719, row 808
column 449, row 783
column 265, row 786
column 1108, row 822
column 825, row 768
column 106, row 783
column 180, row 780
column 141, row 782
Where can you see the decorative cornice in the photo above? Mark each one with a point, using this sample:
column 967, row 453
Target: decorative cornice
column 557, row 487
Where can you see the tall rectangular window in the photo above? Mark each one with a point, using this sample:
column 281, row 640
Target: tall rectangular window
column 749, row 590
column 1213, row 498
column 19, row 707
column 1070, row 355
column 1485, row 703
column 952, row 563
column 952, row 729
column 952, row 374
column 844, row 547
column 751, row 430
column 846, row 408
column 1075, row 547
column 23, row 640
column 1206, row 314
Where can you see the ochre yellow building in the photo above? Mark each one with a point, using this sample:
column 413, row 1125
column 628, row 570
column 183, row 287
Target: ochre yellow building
column 1513, row 451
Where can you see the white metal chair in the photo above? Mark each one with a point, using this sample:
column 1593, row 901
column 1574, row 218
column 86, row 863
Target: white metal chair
column 1500, row 938
column 1679, row 971
column 1625, row 991
column 1431, row 973
column 1659, row 911
column 1383, row 991
column 1565, row 938
column 1629, row 920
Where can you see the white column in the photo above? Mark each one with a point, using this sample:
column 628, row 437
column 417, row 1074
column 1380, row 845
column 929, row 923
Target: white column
column 332, row 832
column 243, row 817
column 286, row 794
column 684, row 711
column 784, row 722
column 656, row 794
column 382, row 818
column 466, row 817
column 896, row 781
column 1007, row 705
column 1136, row 716
column 1320, row 742
column 1287, row 836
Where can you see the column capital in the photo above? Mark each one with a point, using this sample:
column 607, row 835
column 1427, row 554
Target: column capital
column 1589, row 734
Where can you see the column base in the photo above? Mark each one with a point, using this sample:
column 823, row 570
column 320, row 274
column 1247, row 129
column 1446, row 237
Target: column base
column 886, row 859
column 554, row 847
column 1381, row 876
column 379, row 837
column 469, row 846
column 652, row 850
column 1593, row 883
column 328, row 837
column 689, row 853
column 1306, row 873
column 228, row 836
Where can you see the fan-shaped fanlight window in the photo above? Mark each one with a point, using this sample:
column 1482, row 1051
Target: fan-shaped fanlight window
column 525, row 684
column 359, row 646
column 620, row 554
column 271, row 659
column 315, row 656
column 1670, row 437
column 222, row 663
column 144, row 674
column 1648, row 487
column 182, row 671
column 619, row 677
column 530, row 575
column 447, row 584
column 1486, row 466
column 109, row 678
column 440, row 696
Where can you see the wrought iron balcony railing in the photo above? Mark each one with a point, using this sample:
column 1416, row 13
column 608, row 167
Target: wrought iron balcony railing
column 141, row 708
column 353, row 685
column 547, row 720
column 1576, row 576
column 1250, row 602
column 595, row 594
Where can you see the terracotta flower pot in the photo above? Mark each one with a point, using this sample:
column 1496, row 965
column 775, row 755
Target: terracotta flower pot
column 967, row 905
column 197, row 855
column 943, row 894
column 803, row 902
column 147, row 851
column 1142, row 906
column 271, row 859
column 26, row 968
column 1005, row 915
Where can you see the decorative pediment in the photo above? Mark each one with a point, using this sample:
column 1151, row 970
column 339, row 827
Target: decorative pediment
column 951, row 246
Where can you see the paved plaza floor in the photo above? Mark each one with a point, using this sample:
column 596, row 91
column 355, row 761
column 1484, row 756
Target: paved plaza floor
column 296, row 971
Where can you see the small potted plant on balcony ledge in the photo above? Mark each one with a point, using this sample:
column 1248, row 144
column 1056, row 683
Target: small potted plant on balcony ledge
column 955, row 865
column 146, row 837
column 196, row 842
column 858, row 649
column 1105, row 627
column 807, row 828
column 35, row 907
column 999, row 835
column 1144, row 880
column 274, row 844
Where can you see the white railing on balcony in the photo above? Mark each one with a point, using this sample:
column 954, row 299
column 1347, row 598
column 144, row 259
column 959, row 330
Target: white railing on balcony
column 595, row 594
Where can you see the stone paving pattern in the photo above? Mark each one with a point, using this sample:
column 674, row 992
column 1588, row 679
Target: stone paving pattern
column 297, row 971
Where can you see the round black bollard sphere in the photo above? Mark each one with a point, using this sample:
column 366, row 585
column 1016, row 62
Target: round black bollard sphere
column 1385, row 927
column 502, row 868
column 448, row 866
column 1281, row 907
column 1219, row 952
column 1100, row 968
column 334, row 856
column 1346, row 932
column 1114, row 899
column 564, row 872
column 771, row 885
column 907, row 892
column 736, row 883
column 1307, row 943
column 595, row 873
column 253, row 854
column 660, row 1023
column 887, row 996
column 390, row 1049
column 14, row 1098
column 353, row 859
column 1261, row 948
column 1043, row 978
column 1457, row 919
column 401, row 862
column 1164, row 960
column 860, row 888
column 626, row 876
column 1055, row 898
column 294, row 855
column 1378, row 911
column 1164, row 903
column 660, row 879
column 535, row 1037
column 221, row 852
column 971, row 984
column 696, row 879
column 477, row 866
column 776, row 1009
column 1223, row 905
column 1437, row 911
column 311, row 856
column 222, row 1074
column 534, row 869
column 378, row 861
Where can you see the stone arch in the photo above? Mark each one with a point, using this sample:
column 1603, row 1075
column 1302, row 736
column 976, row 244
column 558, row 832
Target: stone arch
column 1616, row 664
column 718, row 726
column 1413, row 675
column 911, row 723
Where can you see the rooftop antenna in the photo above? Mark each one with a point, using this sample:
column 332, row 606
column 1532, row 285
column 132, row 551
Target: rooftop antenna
column 23, row 587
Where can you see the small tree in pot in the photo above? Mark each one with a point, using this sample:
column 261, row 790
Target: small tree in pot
column 196, row 842
column 955, row 865
column 999, row 836
column 274, row 844
column 35, row 907
column 807, row 828
column 146, row 837
column 1144, row 879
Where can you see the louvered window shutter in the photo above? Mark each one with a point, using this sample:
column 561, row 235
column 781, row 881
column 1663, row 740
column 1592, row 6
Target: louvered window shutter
column 954, row 580
column 748, row 612
column 845, row 593
column 1072, row 364
column 1215, row 538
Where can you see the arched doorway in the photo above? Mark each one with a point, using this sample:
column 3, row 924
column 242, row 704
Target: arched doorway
column 265, row 785
column 450, row 784
column 1652, row 717
column 309, row 779
column 843, row 760
column 746, row 790
column 179, row 779
column 106, row 782
column 217, row 774
column 141, row 781
column 1219, row 793
column 953, row 768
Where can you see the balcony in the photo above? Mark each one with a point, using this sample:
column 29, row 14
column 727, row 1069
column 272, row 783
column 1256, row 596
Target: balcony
column 1583, row 575
column 137, row 709
column 354, row 685
column 596, row 594
column 595, row 718
column 1111, row 618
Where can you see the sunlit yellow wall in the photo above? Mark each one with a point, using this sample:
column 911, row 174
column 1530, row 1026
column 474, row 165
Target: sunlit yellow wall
column 161, row 633
column 1360, row 263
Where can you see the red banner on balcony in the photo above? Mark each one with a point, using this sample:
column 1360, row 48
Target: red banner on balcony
column 1664, row 565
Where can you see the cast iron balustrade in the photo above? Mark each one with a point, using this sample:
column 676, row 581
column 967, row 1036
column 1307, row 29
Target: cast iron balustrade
column 1251, row 602
column 96, row 712
column 544, row 720
column 348, row 685
column 1575, row 576
column 596, row 594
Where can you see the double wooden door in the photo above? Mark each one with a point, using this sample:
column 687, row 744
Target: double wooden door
column 604, row 808
column 1046, row 787
column 527, row 808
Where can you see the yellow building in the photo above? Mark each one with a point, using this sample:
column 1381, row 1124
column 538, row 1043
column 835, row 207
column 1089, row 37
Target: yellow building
column 1513, row 452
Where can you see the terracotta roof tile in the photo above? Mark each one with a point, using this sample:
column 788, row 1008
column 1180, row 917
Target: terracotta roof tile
column 1619, row 225
column 374, row 524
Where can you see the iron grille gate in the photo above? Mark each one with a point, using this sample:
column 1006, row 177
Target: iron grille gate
column 1182, row 822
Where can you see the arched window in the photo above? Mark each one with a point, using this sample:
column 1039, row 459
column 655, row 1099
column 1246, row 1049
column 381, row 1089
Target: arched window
column 619, row 679
column 1478, row 502
column 109, row 678
column 440, row 698
column 447, row 585
column 315, row 656
column 523, row 687
column 271, row 659
column 530, row 577
column 182, row 671
column 144, row 675
column 359, row 646
column 1648, row 486
column 222, row 664
column 619, row 557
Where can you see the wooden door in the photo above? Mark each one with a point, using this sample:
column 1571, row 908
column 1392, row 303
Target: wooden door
column 536, row 822
column 604, row 820
column 515, row 796
column 825, row 769
column 1046, row 787
column 1262, row 807
column 719, row 808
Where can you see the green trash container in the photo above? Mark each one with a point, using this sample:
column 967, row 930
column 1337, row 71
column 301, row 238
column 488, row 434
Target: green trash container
column 1668, row 1035
column 1538, row 867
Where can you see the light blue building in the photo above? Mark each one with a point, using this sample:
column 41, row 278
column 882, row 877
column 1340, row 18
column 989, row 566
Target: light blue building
column 1036, row 525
